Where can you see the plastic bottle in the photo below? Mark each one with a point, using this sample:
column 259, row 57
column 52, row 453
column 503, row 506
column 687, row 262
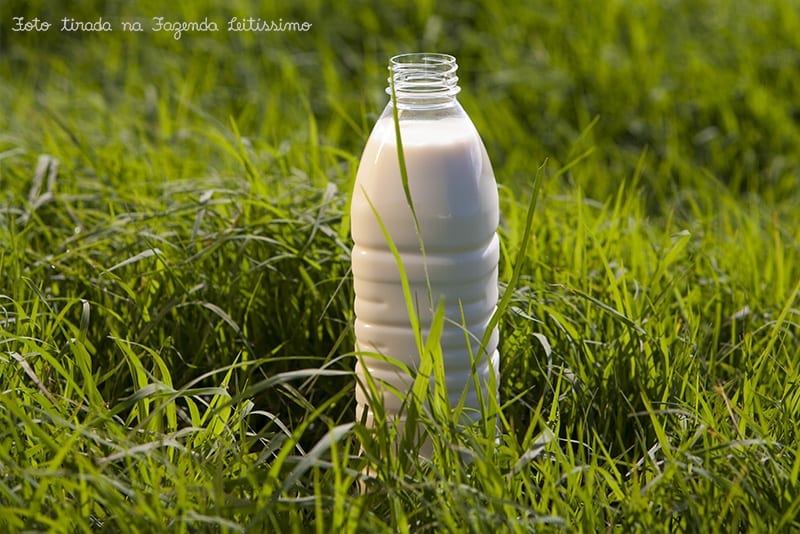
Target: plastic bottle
column 454, row 194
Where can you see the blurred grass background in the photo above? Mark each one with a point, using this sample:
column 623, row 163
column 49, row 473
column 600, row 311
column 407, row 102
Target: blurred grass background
column 703, row 86
column 180, row 206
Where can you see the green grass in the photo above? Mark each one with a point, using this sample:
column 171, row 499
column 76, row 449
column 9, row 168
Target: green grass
column 176, row 344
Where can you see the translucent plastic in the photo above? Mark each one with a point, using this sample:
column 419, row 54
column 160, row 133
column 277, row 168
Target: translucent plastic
column 454, row 194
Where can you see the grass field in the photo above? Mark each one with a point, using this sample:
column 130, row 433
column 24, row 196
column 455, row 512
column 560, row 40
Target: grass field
column 176, row 304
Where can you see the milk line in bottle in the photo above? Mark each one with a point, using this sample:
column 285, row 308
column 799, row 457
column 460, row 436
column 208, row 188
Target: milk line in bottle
column 454, row 195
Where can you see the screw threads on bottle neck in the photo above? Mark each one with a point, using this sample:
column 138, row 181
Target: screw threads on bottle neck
column 423, row 80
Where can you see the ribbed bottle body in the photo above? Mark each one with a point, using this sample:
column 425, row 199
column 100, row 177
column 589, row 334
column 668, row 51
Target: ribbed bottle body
column 454, row 194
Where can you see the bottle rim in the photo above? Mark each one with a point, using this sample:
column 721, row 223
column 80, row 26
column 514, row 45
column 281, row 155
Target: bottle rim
column 425, row 60
column 423, row 75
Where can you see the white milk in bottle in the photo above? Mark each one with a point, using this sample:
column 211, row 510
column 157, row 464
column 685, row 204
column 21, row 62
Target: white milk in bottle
column 454, row 194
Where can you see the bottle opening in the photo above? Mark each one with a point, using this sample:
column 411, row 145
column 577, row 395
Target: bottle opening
column 423, row 75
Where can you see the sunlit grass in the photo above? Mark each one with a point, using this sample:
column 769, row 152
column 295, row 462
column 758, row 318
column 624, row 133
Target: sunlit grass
column 176, row 348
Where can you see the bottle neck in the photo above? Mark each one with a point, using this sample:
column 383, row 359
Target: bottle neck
column 423, row 81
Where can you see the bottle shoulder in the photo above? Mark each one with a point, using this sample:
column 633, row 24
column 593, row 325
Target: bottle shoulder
column 425, row 130
column 425, row 111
